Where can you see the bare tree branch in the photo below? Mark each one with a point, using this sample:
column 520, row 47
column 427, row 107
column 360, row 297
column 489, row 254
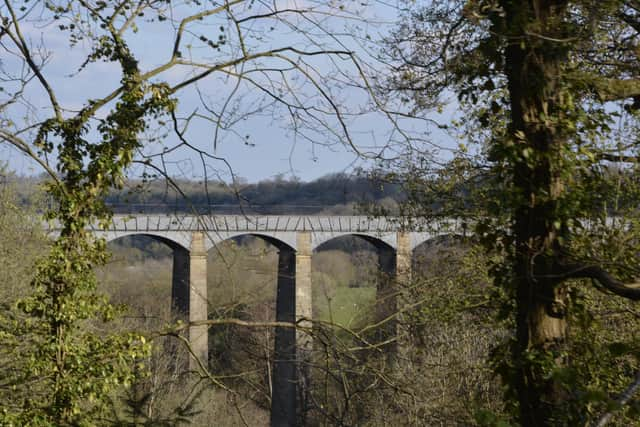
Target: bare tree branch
column 620, row 401
column 601, row 276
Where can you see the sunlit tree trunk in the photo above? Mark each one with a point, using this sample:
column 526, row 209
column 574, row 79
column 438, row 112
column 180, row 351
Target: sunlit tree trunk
column 533, row 155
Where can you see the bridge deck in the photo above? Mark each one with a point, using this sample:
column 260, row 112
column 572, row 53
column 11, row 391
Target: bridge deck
column 270, row 223
column 179, row 228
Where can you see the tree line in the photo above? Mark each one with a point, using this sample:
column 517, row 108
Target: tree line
column 334, row 194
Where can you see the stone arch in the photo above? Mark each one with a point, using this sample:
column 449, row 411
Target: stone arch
column 284, row 376
column 280, row 244
column 158, row 237
column 180, row 268
column 173, row 240
column 379, row 240
column 220, row 247
column 279, row 240
column 386, row 252
column 386, row 290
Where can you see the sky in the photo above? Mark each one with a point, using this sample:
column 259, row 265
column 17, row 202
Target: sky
column 258, row 140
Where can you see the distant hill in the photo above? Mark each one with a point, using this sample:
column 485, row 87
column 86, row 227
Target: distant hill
column 332, row 194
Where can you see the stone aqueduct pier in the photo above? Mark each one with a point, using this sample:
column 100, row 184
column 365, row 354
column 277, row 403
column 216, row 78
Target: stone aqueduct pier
column 295, row 237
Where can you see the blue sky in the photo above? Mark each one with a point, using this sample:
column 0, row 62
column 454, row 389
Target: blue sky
column 260, row 141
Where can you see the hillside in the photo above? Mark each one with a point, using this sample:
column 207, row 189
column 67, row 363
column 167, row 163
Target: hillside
column 332, row 194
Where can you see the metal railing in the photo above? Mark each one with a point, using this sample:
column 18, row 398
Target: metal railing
column 231, row 209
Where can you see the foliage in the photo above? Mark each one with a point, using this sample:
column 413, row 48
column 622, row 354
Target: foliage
column 442, row 369
column 546, row 175
column 22, row 239
column 549, row 92
column 261, row 58
column 437, row 373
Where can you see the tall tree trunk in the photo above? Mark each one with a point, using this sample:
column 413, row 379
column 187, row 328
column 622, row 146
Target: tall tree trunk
column 532, row 66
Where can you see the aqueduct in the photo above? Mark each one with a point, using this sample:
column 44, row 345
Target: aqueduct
column 295, row 237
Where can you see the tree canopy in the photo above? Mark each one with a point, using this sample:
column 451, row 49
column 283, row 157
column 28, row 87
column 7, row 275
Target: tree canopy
column 549, row 95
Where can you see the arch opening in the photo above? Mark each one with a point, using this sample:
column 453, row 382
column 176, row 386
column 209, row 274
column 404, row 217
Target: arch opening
column 142, row 273
column 241, row 278
column 158, row 237
column 353, row 288
column 150, row 274
column 353, row 280
column 251, row 277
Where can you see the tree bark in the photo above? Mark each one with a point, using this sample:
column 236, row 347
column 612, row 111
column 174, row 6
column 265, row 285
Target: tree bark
column 533, row 66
